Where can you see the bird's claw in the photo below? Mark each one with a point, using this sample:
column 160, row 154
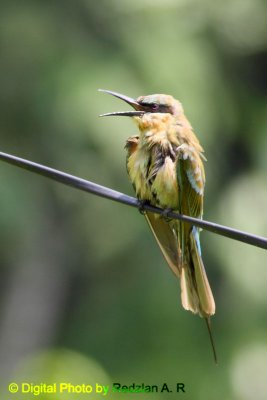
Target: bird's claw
column 165, row 214
column 141, row 204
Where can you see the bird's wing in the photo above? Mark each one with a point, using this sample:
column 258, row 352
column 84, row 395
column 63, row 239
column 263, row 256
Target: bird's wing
column 131, row 145
column 191, row 181
column 196, row 292
column 167, row 240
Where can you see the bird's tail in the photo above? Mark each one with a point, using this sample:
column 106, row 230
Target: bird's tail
column 196, row 293
column 195, row 289
column 207, row 320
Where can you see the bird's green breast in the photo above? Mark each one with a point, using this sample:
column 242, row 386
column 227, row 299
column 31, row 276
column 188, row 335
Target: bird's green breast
column 152, row 170
column 164, row 144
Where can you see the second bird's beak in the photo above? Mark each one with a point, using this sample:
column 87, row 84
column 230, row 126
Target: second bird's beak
column 139, row 109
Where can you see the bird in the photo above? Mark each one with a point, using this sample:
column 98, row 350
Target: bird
column 165, row 166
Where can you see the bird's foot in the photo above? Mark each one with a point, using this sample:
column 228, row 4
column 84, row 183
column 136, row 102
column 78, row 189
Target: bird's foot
column 141, row 204
column 165, row 214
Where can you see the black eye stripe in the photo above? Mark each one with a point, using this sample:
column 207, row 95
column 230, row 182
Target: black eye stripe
column 157, row 107
column 149, row 105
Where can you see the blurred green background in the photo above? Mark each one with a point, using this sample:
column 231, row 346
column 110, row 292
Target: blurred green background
column 85, row 294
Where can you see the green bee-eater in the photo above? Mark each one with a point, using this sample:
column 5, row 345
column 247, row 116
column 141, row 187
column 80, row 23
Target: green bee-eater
column 165, row 166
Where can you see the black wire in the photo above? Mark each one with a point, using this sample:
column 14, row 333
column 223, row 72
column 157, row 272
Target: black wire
column 111, row 194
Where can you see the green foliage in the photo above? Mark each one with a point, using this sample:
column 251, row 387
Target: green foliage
column 85, row 273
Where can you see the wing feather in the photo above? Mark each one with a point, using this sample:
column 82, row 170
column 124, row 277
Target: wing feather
column 196, row 293
column 167, row 240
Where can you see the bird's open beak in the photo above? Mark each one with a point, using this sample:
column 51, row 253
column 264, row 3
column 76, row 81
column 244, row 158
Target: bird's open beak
column 139, row 110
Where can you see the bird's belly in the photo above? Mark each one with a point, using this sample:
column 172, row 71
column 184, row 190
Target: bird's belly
column 137, row 167
column 164, row 186
column 156, row 184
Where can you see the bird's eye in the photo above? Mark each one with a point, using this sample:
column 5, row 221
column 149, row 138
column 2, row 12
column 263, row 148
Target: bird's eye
column 155, row 107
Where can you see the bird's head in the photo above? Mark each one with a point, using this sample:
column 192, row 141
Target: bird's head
column 151, row 104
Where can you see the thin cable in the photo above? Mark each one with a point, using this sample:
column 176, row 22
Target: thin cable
column 102, row 191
